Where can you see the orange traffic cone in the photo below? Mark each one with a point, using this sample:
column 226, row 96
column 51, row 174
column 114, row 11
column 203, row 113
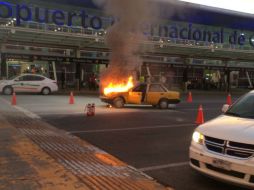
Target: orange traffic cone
column 200, row 116
column 229, row 100
column 14, row 99
column 71, row 100
column 189, row 100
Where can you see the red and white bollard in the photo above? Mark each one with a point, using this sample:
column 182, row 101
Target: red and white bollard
column 90, row 110
column 93, row 109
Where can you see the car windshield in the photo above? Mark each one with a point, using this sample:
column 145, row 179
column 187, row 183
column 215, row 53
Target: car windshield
column 244, row 107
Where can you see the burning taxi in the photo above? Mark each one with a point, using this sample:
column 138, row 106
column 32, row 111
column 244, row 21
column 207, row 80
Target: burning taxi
column 154, row 94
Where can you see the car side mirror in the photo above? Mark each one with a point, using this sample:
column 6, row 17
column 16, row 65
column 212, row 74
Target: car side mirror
column 225, row 108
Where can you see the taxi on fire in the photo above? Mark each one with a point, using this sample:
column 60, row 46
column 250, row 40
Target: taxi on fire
column 154, row 94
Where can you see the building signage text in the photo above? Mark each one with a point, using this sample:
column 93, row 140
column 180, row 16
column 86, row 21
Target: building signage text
column 25, row 13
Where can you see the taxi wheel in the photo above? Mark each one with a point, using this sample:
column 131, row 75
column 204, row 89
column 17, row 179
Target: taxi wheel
column 163, row 104
column 118, row 102
column 8, row 90
column 45, row 91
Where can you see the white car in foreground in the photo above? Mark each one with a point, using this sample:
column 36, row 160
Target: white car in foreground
column 223, row 148
column 28, row 83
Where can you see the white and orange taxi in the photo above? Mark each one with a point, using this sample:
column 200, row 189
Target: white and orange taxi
column 28, row 83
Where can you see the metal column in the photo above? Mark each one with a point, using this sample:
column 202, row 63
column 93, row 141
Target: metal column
column 3, row 66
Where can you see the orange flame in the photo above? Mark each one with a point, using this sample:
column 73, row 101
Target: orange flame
column 122, row 87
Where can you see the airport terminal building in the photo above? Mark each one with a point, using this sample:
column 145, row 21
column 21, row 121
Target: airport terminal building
column 65, row 40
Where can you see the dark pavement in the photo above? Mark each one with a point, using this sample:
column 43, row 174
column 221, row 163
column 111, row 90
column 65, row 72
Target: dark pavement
column 147, row 138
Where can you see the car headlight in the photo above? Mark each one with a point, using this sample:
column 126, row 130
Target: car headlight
column 198, row 137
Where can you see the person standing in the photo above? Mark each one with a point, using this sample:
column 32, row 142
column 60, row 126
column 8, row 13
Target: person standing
column 163, row 79
column 142, row 79
column 228, row 80
column 63, row 78
column 185, row 79
column 92, row 82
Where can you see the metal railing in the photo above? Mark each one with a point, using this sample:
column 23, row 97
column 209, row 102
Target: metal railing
column 99, row 35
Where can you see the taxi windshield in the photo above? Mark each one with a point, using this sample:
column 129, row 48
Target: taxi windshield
column 244, row 107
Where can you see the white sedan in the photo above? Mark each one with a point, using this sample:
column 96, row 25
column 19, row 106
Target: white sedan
column 28, row 83
column 223, row 148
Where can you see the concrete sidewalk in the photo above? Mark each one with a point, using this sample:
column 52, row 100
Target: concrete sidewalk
column 24, row 166
column 35, row 155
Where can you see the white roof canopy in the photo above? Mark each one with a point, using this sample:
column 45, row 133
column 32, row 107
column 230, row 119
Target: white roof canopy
column 244, row 6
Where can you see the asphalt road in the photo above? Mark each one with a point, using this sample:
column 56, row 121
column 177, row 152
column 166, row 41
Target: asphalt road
column 152, row 140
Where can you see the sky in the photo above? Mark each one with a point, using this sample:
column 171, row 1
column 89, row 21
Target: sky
column 245, row 6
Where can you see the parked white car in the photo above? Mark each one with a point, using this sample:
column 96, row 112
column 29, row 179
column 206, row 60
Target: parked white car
column 28, row 83
column 223, row 148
